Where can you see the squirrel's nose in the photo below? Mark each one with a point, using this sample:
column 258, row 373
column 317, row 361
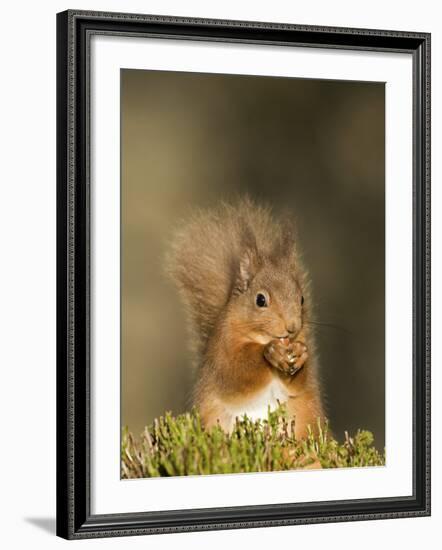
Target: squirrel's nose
column 291, row 327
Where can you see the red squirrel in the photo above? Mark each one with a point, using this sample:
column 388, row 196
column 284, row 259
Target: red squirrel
column 247, row 297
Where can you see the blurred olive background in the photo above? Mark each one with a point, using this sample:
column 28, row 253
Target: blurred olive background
column 316, row 147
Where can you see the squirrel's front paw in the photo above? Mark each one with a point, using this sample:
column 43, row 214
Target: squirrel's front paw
column 286, row 356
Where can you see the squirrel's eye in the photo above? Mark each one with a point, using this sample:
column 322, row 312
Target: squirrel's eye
column 261, row 300
column 302, row 300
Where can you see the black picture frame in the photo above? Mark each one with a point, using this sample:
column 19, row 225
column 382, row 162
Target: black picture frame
column 74, row 518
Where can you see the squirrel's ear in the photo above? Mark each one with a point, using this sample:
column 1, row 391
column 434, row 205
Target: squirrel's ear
column 247, row 267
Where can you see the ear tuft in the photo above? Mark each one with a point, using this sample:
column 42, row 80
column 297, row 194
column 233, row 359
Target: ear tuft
column 247, row 270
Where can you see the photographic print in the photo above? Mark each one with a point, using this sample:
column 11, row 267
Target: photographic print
column 252, row 273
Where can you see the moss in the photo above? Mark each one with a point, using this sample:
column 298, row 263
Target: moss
column 177, row 446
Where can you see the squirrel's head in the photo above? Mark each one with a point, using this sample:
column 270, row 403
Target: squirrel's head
column 267, row 300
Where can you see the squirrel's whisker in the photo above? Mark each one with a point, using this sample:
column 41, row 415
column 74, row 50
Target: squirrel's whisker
column 328, row 325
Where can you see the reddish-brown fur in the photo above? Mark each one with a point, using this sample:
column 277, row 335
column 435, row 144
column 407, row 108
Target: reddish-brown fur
column 220, row 261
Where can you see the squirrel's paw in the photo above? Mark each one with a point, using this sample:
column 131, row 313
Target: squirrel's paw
column 287, row 357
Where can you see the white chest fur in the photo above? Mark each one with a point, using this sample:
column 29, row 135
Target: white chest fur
column 257, row 408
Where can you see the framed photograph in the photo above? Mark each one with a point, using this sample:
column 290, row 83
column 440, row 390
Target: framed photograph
column 243, row 274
